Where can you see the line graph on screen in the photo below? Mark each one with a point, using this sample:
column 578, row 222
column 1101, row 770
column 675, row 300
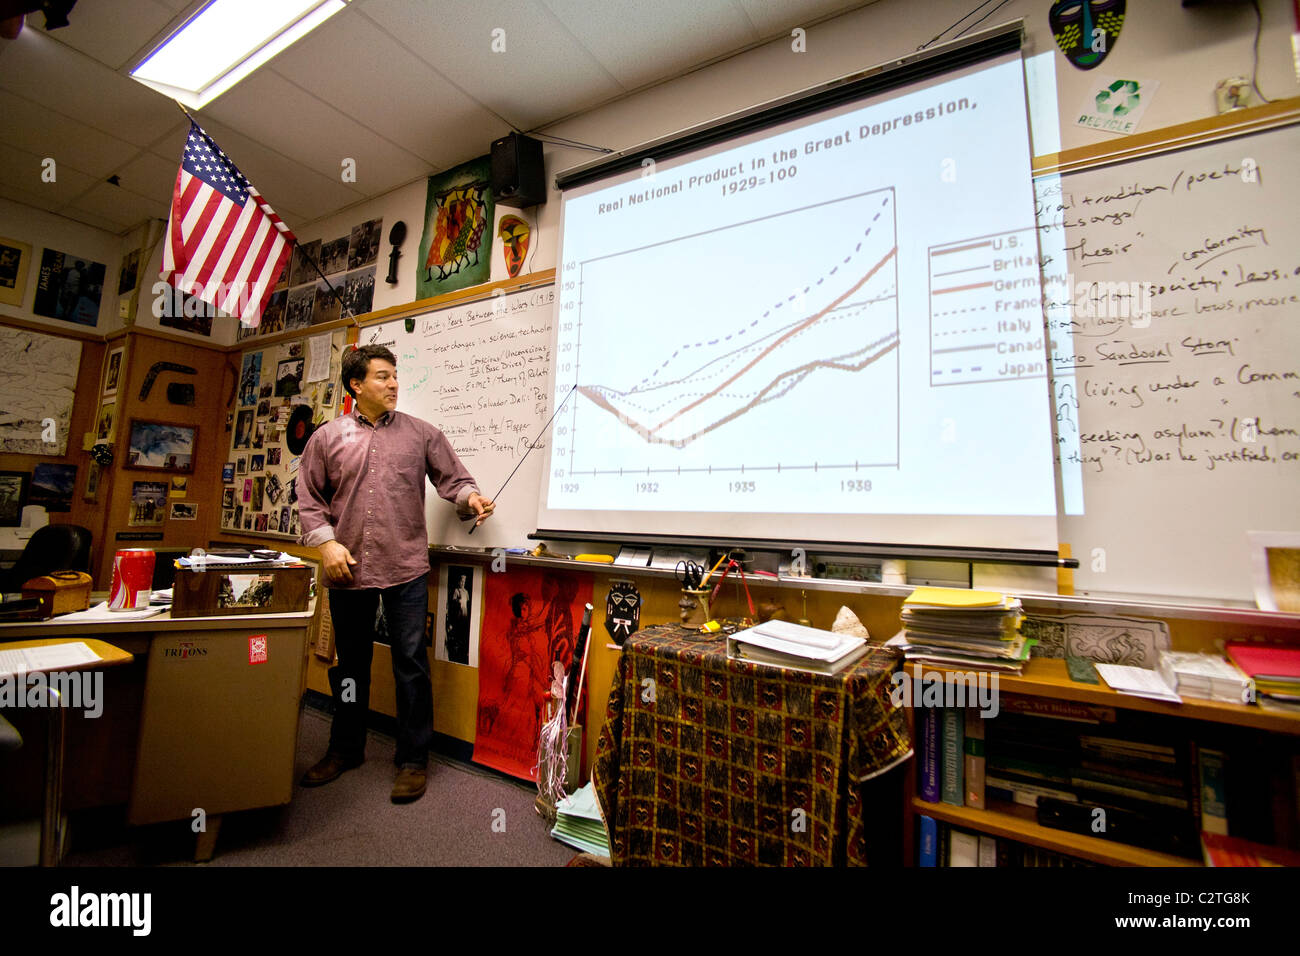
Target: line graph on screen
column 679, row 373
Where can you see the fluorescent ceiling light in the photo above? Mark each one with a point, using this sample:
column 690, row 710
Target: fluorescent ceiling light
column 224, row 42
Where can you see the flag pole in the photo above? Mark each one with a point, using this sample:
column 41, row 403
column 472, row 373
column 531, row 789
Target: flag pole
column 296, row 244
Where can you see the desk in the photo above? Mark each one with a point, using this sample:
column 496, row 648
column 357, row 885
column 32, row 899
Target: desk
column 52, row 813
column 218, row 723
column 708, row 761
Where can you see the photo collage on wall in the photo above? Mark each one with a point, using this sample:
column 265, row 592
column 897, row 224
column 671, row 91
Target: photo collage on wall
column 302, row 299
column 283, row 394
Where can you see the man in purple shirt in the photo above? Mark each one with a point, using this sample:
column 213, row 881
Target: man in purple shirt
column 361, row 501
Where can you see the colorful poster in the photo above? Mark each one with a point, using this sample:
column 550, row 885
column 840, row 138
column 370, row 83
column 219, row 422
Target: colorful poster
column 456, row 251
column 531, row 617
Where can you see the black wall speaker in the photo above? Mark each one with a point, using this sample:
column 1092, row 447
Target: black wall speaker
column 518, row 176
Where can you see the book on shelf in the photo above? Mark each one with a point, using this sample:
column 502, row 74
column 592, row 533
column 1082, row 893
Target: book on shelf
column 1212, row 788
column 1023, row 792
column 1275, row 670
column 964, row 849
column 952, row 725
column 1167, row 834
column 1218, row 849
column 929, row 758
column 954, row 846
column 929, row 837
column 975, row 760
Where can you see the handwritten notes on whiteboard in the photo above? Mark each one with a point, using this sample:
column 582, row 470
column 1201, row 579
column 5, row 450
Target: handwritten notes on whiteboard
column 1172, row 291
column 482, row 373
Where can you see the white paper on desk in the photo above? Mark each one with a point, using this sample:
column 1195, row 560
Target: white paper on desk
column 318, row 351
column 56, row 657
column 1138, row 682
column 101, row 613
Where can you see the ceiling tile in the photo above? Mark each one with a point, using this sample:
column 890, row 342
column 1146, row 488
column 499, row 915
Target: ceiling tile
column 118, row 205
column 150, row 175
column 315, row 134
column 35, row 201
column 521, row 84
column 396, row 80
column 23, row 170
column 46, row 133
column 640, row 43
column 60, row 79
column 298, row 195
column 771, row 17
column 111, row 32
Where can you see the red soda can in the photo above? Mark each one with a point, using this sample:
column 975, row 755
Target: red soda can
column 132, row 580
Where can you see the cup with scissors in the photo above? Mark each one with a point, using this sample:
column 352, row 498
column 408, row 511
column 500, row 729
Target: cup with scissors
column 690, row 575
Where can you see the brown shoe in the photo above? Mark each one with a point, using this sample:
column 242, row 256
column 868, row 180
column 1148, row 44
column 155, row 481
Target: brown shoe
column 330, row 768
column 409, row 785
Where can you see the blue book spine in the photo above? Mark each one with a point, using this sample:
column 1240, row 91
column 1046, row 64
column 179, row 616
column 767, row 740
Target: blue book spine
column 929, row 841
column 930, row 754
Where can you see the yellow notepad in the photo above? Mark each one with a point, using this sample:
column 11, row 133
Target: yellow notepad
column 955, row 597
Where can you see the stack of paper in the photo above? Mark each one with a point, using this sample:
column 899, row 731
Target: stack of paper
column 1275, row 670
column 1205, row 676
column 578, row 823
column 955, row 627
column 783, row 644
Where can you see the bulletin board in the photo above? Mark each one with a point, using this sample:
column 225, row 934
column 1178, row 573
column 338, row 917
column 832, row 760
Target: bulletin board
column 282, row 393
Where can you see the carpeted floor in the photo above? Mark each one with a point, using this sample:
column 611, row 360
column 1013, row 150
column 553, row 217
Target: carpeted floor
column 467, row 817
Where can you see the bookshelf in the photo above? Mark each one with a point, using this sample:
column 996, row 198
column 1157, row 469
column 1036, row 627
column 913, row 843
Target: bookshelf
column 1047, row 678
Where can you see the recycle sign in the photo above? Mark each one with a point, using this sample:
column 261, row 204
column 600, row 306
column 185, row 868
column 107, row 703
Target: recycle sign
column 1119, row 98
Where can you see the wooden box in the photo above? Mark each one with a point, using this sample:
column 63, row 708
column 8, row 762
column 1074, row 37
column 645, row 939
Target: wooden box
column 216, row 593
column 61, row 591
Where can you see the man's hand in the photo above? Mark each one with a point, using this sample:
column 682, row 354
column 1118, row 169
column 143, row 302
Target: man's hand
column 482, row 507
column 338, row 563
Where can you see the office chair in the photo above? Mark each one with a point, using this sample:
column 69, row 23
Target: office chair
column 55, row 547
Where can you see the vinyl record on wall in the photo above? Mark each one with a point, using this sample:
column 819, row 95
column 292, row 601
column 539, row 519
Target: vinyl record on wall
column 299, row 429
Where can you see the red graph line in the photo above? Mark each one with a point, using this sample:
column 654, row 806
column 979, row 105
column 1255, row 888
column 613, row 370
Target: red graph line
column 811, row 320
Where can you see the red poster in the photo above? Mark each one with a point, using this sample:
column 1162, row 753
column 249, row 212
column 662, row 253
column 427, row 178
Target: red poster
column 531, row 617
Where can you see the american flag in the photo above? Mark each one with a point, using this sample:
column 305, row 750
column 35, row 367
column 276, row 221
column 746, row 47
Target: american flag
column 224, row 243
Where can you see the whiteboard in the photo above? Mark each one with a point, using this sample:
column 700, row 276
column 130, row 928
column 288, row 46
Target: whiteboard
column 1172, row 296
column 481, row 373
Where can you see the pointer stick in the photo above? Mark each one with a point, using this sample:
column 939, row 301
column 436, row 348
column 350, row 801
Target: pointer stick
column 530, row 450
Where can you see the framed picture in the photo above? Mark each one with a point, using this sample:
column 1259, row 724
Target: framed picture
column 15, row 260
column 1275, row 566
column 113, row 371
column 128, row 278
column 148, row 503
column 161, row 446
column 93, row 472
column 52, row 485
column 13, row 495
column 104, row 424
column 69, row 287
column 184, row 511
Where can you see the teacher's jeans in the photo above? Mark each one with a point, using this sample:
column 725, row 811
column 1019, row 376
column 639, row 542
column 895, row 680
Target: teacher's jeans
column 354, row 612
